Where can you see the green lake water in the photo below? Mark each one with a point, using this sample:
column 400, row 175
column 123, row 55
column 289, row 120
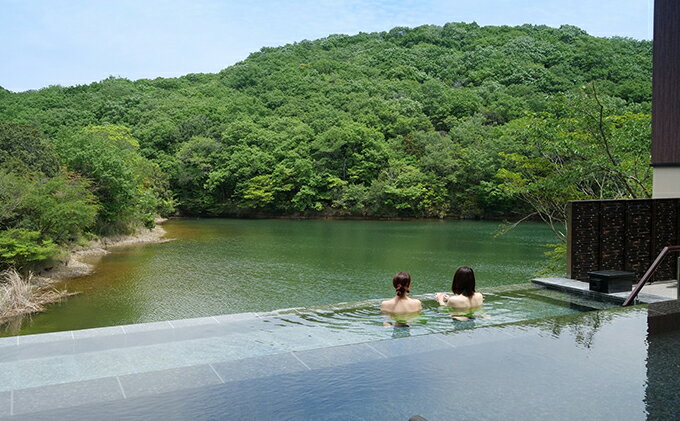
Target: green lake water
column 221, row 266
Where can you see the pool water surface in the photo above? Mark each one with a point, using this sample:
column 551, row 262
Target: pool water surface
column 342, row 361
column 588, row 365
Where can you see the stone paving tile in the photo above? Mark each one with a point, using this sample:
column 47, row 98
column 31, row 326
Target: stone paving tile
column 411, row 345
column 337, row 338
column 198, row 321
column 43, row 371
column 7, row 370
column 649, row 298
column 475, row 336
column 99, row 331
column 114, row 362
column 340, row 355
column 149, row 337
column 45, row 337
column 146, row 327
column 579, row 287
column 144, row 384
column 295, row 338
column 5, row 404
column 99, row 343
column 37, row 350
column 66, row 395
column 230, row 318
column 199, row 331
column 9, row 341
column 253, row 368
column 194, row 352
column 9, row 353
column 666, row 307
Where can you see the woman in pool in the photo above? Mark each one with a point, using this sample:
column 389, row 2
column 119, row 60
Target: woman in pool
column 463, row 287
column 401, row 304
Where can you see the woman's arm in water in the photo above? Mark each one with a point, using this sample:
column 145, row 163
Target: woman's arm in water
column 442, row 298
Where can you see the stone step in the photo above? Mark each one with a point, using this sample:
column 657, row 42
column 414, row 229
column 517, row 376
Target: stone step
column 50, row 384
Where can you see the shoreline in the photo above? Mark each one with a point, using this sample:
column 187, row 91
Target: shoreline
column 75, row 267
column 42, row 282
column 349, row 218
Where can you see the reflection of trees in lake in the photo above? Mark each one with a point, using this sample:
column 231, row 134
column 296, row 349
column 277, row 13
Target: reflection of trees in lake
column 583, row 327
column 663, row 361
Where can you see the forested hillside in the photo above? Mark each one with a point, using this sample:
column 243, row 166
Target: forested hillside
column 459, row 120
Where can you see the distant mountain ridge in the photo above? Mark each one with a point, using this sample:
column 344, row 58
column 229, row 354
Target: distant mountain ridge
column 428, row 121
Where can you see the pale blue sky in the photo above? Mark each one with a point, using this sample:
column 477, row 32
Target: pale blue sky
column 71, row 42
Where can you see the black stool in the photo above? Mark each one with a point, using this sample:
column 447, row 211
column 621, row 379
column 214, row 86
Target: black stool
column 609, row 281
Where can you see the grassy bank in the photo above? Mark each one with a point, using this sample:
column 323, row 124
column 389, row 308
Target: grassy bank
column 25, row 294
column 22, row 295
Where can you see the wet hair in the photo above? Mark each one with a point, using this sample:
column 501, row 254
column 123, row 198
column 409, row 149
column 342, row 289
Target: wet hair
column 464, row 282
column 402, row 283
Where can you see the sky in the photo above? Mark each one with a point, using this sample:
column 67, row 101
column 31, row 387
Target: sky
column 75, row 42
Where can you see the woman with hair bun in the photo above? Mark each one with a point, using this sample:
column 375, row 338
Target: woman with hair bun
column 401, row 303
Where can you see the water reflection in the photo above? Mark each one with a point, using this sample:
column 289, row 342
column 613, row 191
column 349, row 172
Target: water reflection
column 663, row 361
column 578, row 366
column 401, row 330
column 222, row 266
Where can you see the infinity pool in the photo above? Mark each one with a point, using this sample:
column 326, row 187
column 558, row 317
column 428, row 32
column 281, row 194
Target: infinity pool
column 603, row 364
column 343, row 361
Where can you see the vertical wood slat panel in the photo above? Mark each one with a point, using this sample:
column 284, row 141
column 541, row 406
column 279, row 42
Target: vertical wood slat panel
column 612, row 234
column 638, row 236
column 664, row 234
column 666, row 84
column 584, row 238
column 622, row 235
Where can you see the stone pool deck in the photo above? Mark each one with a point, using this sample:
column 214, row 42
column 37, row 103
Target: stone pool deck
column 50, row 372
column 45, row 372
column 651, row 293
column 533, row 370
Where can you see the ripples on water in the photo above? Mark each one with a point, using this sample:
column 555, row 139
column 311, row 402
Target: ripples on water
column 365, row 319
column 224, row 266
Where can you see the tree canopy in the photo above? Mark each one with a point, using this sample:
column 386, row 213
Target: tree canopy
column 453, row 120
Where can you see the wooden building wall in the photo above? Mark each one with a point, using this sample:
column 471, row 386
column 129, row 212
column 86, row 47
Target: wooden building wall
column 666, row 84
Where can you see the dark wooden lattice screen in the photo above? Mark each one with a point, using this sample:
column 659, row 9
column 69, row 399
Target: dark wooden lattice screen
column 622, row 235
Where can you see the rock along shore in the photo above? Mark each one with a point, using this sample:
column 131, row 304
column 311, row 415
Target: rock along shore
column 75, row 266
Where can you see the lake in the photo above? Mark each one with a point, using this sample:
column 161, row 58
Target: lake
column 221, row 266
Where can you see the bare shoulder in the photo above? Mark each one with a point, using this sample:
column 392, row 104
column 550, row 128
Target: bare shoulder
column 387, row 305
column 458, row 301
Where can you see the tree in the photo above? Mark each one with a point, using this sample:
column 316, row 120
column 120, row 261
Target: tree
column 19, row 247
column 324, row 126
column 109, row 156
column 60, row 208
column 591, row 153
column 25, row 149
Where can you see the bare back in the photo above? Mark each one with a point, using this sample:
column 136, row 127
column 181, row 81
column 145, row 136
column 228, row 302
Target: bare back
column 399, row 305
column 461, row 301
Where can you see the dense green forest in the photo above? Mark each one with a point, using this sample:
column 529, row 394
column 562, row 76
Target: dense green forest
column 458, row 120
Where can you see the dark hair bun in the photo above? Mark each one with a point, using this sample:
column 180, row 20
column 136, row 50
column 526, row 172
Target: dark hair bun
column 402, row 283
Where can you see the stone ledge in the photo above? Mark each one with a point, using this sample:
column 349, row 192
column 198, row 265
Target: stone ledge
column 573, row 286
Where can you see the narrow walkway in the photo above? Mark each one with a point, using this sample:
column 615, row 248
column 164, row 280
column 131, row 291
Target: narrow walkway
column 651, row 293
